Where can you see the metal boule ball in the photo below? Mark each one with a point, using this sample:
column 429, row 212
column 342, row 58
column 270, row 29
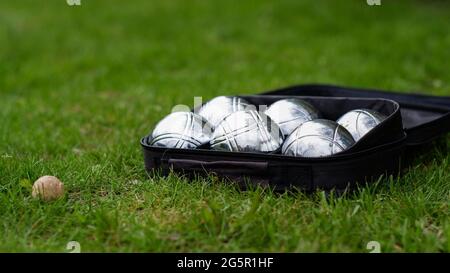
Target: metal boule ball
column 360, row 121
column 215, row 110
column 247, row 131
column 291, row 113
column 184, row 130
column 317, row 138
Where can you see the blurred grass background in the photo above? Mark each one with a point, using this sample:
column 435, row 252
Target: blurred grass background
column 80, row 85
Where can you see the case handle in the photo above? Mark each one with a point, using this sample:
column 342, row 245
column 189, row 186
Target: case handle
column 221, row 166
column 259, row 172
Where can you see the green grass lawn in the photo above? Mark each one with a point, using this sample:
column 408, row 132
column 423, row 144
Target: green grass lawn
column 79, row 87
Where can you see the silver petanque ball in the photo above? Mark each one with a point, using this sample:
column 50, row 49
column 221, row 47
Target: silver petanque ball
column 218, row 108
column 317, row 138
column 181, row 130
column 360, row 121
column 247, row 131
column 290, row 113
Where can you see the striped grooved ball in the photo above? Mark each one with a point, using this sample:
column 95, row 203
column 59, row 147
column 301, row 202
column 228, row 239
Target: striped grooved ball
column 215, row 110
column 247, row 131
column 291, row 113
column 317, row 138
column 360, row 121
column 184, row 130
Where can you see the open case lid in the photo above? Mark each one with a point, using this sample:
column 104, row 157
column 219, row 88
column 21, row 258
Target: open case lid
column 424, row 117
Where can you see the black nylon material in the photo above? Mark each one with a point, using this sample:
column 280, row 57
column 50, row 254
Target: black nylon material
column 425, row 118
column 380, row 153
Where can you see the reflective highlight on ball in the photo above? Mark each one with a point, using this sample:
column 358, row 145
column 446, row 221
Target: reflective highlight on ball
column 218, row 108
column 317, row 138
column 360, row 121
column 247, row 131
column 291, row 113
column 181, row 130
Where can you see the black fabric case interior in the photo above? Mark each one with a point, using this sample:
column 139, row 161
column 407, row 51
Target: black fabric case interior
column 424, row 117
column 334, row 107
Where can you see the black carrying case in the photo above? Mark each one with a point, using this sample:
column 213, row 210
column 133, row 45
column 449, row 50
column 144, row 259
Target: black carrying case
column 414, row 121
